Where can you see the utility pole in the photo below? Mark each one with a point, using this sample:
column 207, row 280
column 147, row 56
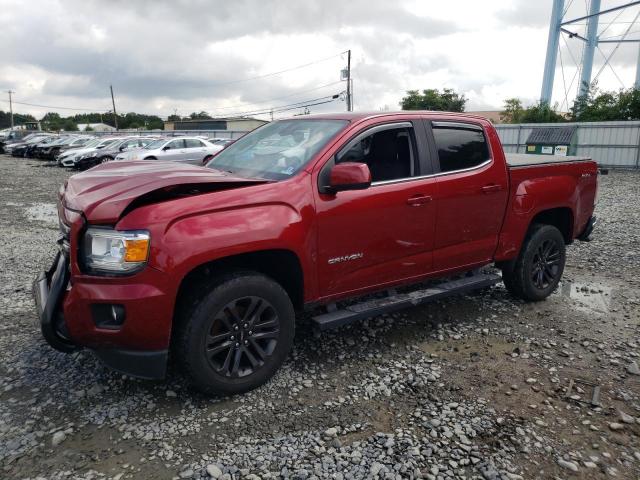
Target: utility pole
column 552, row 51
column 115, row 115
column 590, row 47
column 349, row 106
column 11, row 107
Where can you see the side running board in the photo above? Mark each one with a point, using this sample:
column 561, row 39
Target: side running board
column 377, row 306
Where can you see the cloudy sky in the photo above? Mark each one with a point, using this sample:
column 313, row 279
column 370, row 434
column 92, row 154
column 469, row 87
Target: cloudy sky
column 183, row 56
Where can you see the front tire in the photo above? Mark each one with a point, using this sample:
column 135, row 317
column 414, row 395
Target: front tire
column 535, row 274
column 235, row 335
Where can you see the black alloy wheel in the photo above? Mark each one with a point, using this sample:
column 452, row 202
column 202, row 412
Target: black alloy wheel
column 537, row 270
column 546, row 264
column 243, row 335
column 233, row 334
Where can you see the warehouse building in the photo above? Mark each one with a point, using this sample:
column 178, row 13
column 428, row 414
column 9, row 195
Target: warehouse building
column 233, row 124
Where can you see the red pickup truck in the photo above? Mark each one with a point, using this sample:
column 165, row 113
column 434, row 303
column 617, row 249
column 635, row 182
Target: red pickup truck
column 346, row 215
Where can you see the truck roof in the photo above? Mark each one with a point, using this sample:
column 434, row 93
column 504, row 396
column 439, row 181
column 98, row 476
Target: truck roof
column 357, row 116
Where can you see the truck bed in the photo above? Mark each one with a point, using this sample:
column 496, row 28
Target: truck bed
column 527, row 160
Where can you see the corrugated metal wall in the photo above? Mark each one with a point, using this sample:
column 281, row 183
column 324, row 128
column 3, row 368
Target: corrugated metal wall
column 611, row 144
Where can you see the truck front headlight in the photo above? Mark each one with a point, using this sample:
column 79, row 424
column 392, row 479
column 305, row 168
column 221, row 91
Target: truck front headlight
column 110, row 251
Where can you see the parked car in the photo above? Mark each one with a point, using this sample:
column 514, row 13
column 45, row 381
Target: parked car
column 213, row 263
column 9, row 136
column 68, row 158
column 71, row 141
column 110, row 152
column 21, row 149
column 37, row 150
column 191, row 150
column 20, row 139
column 80, row 142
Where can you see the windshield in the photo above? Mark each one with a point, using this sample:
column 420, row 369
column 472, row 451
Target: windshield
column 105, row 143
column 92, row 143
column 156, row 144
column 278, row 150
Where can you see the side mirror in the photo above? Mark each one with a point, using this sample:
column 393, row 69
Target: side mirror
column 349, row 176
column 166, row 147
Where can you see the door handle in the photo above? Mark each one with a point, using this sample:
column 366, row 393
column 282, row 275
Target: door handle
column 491, row 188
column 418, row 200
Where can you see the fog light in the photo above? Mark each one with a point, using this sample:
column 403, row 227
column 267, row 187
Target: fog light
column 108, row 315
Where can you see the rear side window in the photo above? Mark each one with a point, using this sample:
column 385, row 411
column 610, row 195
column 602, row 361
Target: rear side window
column 193, row 143
column 459, row 146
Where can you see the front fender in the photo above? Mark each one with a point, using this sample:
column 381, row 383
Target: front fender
column 189, row 232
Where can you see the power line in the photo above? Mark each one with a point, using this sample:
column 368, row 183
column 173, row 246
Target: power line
column 290, row 106
column 60, row 108
column 278, row 72
column 279, row 98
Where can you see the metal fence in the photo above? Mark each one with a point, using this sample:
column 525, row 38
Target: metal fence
column 232, row 134
column 611, row 144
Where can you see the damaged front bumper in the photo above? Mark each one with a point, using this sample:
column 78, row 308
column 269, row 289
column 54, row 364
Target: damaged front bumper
column 48, row 291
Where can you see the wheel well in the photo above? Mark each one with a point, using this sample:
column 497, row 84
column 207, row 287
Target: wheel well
column 281, row 265
column 150, row 158
column 561, row 218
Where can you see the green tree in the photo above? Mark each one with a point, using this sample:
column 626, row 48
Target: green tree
column 173, row 118
column 597, row 105
column 68, row 125
column 18, row 119
column 512, row 111
column 200, row 116
column 88, row 128
column 541, row 112
column 432, row 99
column 51, row 121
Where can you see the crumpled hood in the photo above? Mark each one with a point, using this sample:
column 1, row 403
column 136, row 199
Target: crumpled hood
column 102, row 193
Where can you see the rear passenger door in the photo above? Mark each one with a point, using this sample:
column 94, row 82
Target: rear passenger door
column 471, row 194
column 195, row 151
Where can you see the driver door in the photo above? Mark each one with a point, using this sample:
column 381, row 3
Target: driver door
column 383, row 234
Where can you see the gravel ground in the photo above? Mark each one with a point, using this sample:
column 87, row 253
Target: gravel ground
column 471, row 387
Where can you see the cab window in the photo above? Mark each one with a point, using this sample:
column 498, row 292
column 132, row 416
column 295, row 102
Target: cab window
column 389, row 153
column 460, row 146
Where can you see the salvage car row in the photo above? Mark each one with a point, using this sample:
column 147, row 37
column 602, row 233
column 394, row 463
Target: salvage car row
column 85, row 151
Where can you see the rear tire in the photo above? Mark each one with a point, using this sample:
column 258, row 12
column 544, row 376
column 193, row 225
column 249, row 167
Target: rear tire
column 235, row 334
column 535, row 274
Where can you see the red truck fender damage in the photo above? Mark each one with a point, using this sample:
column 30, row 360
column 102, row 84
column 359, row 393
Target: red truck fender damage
column 299, row 243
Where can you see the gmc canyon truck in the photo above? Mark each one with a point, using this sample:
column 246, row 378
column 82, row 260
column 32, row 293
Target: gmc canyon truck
column 346, row 215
